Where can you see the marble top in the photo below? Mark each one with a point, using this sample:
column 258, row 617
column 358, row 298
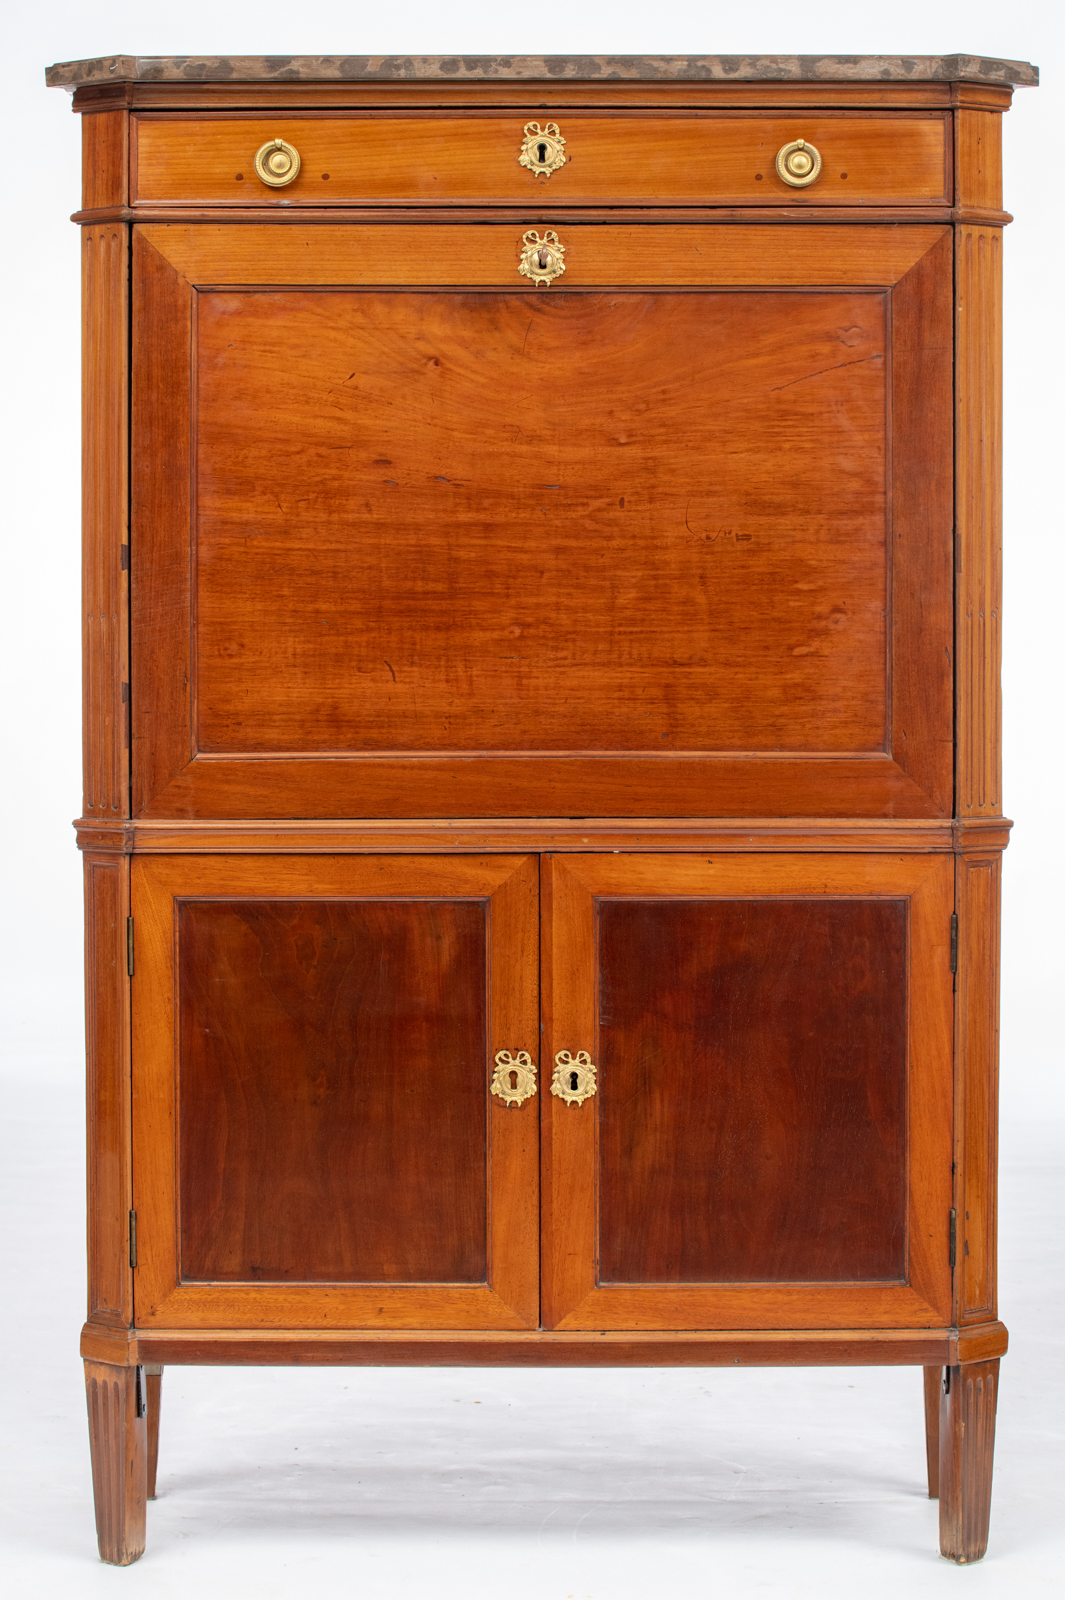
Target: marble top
column 577, row 69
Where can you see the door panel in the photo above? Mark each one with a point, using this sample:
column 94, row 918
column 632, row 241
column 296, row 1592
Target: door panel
column 315, row 1142
column 770, row 1141
column 413, row 538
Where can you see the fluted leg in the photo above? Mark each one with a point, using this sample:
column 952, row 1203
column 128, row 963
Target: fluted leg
column 119, row 1445
column 153, row 1377
column 966, row 1457
column 933, row 1389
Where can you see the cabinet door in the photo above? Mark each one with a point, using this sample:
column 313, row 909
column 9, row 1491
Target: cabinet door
column 315, row 1140
column 412, row 537
column 769, row 1144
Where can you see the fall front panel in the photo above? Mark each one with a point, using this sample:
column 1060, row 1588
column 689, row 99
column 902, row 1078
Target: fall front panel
column 414, row 538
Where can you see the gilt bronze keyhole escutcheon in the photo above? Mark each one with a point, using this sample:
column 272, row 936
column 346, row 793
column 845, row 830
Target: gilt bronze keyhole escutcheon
column 542, row 149
column 541, row 259
column 573, row 1079
column 514, row 1078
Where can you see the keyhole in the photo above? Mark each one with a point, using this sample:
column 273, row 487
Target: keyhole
column 541, row 151
column 544, row 258
column 573, row 1081
column 513, row 1080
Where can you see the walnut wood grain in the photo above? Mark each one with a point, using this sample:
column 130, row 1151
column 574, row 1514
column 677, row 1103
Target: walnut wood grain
column 118, row 1445
column 107, row 1052
column 573, row 1152
column 105, row 550
column 726, row 158
column 978, row 502
column 233, row 1230
column 966, row 1459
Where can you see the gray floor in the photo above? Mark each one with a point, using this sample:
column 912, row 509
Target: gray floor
column 532, row 1486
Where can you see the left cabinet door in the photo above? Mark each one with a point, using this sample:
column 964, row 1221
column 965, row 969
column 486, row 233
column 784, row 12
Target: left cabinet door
column 316, row 1140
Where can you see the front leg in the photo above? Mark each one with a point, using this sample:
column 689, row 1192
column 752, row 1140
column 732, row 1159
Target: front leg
column 118, row 1442
column 966, row 1458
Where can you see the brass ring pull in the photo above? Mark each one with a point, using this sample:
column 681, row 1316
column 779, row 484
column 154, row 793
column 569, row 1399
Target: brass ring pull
column 573, row 1079
column 541, row 259
column 798, row 163
column 542, row 148
column 277, row 163
column 514, row 1078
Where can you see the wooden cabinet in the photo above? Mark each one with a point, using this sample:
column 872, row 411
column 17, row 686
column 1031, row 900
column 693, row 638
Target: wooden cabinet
column 542, row 821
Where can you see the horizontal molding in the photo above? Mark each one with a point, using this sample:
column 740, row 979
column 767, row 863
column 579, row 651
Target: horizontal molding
column 540, row 834
column 507, row 211
column 355, row 1347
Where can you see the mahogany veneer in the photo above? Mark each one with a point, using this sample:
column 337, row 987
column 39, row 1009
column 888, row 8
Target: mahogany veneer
column 485, row 679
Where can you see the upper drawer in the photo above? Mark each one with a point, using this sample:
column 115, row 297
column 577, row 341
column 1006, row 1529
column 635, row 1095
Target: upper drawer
column 631, row 158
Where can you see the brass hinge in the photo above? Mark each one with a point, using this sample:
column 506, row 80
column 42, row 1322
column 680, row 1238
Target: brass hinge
column 954, row 941
column 129, row 946
column 133, row 1238
column 953, row 1237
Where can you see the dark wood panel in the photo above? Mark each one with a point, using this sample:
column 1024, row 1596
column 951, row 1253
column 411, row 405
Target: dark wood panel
column 400, row 496
column 752, row 1104
column 332, row 1090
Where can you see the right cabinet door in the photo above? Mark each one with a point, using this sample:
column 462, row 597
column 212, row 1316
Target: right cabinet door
column 769, row 1142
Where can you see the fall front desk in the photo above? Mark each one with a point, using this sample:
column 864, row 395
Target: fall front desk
column 542, row 822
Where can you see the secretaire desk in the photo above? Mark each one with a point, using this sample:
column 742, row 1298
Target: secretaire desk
column 542, row 822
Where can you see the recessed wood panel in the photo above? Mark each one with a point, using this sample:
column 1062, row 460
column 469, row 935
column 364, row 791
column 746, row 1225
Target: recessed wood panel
column 752, row 1108
column 478, row 522
column 331, row 1116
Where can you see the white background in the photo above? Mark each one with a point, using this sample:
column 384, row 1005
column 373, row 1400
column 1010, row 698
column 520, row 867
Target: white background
column 609, row 1485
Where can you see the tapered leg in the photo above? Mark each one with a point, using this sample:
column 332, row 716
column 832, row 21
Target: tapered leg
column 933, row 1389
column 966, row 1457
column 119, row 1445
column 153, row 1379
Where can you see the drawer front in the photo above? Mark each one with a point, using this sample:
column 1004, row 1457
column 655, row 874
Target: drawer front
column 678, row 160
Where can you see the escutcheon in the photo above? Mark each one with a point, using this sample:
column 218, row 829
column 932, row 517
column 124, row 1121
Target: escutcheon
column 514, row 1079
column 542, row 149
column 541, row 259
column 573, row 1079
